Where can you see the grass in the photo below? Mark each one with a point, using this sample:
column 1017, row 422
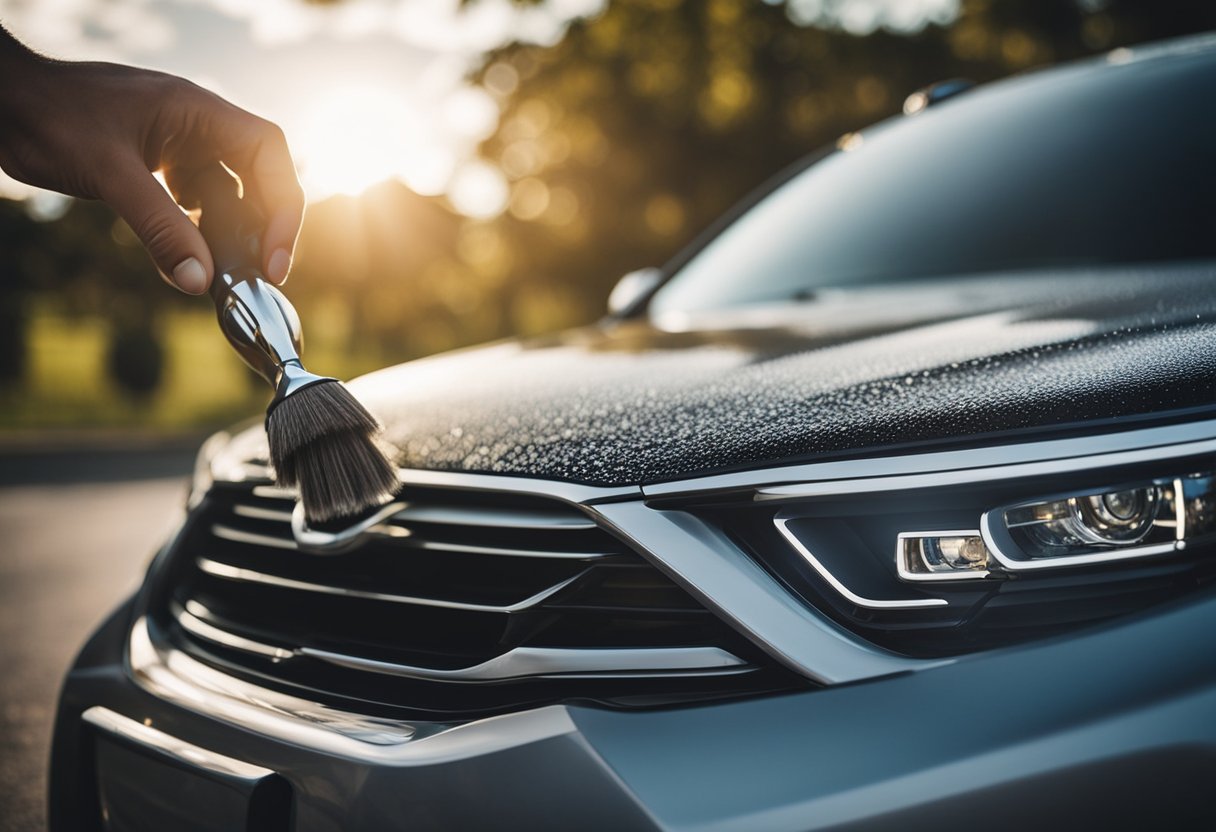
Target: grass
column 204, row 384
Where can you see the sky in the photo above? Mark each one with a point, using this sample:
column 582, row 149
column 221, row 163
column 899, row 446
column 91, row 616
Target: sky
column 366, row 90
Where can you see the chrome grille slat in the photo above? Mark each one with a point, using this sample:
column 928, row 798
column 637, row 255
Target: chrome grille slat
column 494, row 550
column 546, row 662
column 259, row 513
column 452, row 599
column 274, row 492
column 517, row 663
column 191, row 623
column 235, row 535
column 447, row 515
column 236, row 573
column 492, row 518
column 225, row 532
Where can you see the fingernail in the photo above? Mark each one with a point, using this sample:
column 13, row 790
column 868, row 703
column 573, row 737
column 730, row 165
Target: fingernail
column 190, row 276
column 279, row 265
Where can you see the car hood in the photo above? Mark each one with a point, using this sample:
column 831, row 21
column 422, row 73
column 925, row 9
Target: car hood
column 849, row 372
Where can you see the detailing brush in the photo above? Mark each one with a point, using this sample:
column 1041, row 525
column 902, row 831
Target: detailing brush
column 321, row 439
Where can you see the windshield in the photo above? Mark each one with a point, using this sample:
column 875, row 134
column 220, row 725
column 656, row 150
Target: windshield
column 1080, row 167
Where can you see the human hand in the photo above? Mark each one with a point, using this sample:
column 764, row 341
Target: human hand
column 98, row 131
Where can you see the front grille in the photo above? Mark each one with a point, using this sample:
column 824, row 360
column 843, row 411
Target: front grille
column 462, row 603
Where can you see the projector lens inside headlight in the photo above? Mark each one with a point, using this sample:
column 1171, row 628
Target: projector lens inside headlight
column 1116, row 518
column 1148, row 518
column 1119, row 517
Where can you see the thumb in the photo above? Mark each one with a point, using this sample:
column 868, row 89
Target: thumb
column 166, row 232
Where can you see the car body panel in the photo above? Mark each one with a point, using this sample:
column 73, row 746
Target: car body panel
column 878, row 392
column 1051, row 733
column 855, row 371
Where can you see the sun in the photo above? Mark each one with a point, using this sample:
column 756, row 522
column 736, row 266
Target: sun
column 356, row 137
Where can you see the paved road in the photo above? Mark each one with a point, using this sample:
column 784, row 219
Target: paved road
column 69, row 552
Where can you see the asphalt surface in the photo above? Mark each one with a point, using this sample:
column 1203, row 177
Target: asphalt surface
column 70, row 550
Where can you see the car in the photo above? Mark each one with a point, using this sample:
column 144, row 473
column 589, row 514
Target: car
column 889, row 504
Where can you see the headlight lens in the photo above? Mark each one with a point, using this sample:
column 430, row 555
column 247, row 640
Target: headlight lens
column 1079, row 524
column 982, row 562
column 1137, row 520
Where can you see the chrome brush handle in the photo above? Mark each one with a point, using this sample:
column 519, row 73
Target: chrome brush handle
column 256, row 318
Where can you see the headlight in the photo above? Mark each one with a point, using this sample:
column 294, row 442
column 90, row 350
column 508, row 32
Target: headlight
column 1063, row 527
column 1129, row 521
column 982, row 557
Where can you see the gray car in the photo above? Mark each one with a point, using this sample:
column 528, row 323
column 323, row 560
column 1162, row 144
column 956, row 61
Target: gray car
column 889, row 504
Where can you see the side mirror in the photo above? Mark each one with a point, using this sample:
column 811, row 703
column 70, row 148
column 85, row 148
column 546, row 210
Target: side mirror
column 631, row 289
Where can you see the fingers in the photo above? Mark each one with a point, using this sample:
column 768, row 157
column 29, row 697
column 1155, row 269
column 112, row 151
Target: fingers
column 170, row 237
column 210, row 129
column 272, row 181
column 268, row 175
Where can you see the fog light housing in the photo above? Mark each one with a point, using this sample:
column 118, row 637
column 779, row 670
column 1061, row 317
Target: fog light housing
column 942, row 556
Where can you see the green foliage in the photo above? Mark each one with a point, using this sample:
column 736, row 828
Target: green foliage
column 620, row 143
column 644, row 125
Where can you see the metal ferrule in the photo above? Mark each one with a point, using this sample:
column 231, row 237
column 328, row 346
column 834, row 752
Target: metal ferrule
column 264, row 329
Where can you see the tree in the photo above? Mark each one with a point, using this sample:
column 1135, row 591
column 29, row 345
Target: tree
column 646, row 123
column 620, row 143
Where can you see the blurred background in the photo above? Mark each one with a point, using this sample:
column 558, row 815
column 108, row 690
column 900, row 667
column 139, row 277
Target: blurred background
column 475, row 169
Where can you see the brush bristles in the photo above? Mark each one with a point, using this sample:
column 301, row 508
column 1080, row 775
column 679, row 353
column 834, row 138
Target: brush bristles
column 321, row 440
column 343, row 475
column 307, row 415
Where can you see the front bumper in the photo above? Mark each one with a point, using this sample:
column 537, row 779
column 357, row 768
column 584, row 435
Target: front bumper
column 1114, row 726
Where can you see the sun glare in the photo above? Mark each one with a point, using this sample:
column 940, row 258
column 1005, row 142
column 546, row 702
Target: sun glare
column 354, row 138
